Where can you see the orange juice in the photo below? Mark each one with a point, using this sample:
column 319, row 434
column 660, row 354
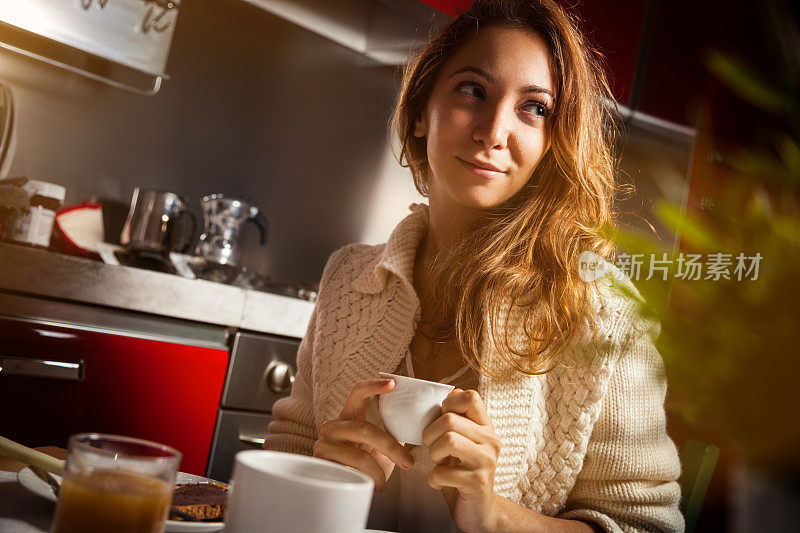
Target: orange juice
column 105, row 501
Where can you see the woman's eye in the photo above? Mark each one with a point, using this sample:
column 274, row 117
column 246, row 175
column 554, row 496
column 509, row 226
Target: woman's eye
column 470, row 89
column 535, row 108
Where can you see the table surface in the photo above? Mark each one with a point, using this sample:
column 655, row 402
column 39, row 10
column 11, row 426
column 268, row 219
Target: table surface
column 21, row 511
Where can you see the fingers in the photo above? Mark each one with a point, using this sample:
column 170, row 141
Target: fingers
column 469, row 404
column 470, row 454
column 459, row 424
column 356, row 405
column 341, row 440
column 465, row 480
column 464, row 432
column 356, row 431
column 349, row 455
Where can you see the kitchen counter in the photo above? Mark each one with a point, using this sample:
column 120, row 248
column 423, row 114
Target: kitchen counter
column 52, row 275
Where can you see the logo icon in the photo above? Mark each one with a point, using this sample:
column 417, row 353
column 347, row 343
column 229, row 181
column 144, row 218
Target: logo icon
column 592, row 267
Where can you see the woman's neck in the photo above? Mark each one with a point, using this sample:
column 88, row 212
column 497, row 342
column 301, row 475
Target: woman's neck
column 446, row 226
column 448, row 223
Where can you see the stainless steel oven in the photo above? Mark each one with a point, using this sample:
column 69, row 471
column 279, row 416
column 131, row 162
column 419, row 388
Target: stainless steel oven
column 261, row 371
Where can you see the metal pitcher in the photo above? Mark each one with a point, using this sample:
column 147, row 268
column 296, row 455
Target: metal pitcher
column 156, row 223
column 224, row 219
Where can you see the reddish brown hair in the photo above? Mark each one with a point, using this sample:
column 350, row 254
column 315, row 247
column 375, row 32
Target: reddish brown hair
column 525, row 251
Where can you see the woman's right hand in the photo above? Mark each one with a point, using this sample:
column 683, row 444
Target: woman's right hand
column 350, row 440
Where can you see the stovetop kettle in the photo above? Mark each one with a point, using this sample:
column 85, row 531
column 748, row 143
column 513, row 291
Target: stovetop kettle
column 224, row 219
column 156, row 223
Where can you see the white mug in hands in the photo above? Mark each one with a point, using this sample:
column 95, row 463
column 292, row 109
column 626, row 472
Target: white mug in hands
column 412, row 406
column 276, row 492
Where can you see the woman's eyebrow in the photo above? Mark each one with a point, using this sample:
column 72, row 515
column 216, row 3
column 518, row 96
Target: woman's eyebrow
column 481, row 72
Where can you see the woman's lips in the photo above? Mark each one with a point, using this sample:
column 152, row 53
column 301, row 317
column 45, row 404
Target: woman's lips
column 482, row 172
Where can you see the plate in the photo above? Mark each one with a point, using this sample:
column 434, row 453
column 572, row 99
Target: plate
column 33, row 483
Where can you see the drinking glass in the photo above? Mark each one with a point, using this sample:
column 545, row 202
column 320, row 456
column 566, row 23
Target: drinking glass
column 114, row 483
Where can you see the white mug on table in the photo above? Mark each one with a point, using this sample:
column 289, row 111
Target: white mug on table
column 276, row 492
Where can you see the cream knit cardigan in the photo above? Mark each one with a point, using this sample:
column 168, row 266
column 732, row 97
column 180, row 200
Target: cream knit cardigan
column 587, row 444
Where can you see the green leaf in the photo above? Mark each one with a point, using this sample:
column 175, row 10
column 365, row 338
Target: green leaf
column 689, row 229
column 790, row 154
column 789, row 230
column 762, row 165
column 749, row 84
column 636, row 243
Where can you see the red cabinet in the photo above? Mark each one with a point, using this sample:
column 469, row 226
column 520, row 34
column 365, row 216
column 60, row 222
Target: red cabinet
column 450, row 7
column 168, row 392
column 652, row 50
column 616, row 30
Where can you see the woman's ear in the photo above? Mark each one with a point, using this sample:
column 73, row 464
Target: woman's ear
column 420, row 126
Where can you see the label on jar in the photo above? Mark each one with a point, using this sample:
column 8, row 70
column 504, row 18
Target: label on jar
column 34, row 227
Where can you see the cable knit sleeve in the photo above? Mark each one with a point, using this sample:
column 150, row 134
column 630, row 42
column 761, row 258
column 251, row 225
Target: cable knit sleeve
column 628, row 480
column 294, row 429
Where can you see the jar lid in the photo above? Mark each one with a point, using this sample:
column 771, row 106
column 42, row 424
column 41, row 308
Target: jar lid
column 43, row 188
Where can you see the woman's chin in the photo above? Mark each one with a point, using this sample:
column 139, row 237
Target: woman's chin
column 480, row 199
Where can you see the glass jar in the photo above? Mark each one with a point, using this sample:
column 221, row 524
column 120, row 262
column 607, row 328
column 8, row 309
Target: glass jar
column 35, row 227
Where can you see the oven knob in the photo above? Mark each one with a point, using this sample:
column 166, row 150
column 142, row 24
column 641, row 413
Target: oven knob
column 280, row 377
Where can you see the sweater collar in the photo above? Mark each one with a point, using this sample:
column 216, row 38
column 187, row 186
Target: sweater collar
column 398, row 254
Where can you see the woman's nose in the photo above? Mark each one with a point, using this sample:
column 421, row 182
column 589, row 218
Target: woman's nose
column 493, row 127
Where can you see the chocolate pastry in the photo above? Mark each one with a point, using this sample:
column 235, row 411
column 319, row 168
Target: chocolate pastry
column 204, row 501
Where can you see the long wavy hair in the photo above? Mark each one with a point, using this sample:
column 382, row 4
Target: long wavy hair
column 523, row 253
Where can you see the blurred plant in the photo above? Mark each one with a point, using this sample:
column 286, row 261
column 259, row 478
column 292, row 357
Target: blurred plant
column 732, row 347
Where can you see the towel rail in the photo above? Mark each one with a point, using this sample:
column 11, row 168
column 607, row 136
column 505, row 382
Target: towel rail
column 152, row 91
column 130, row 38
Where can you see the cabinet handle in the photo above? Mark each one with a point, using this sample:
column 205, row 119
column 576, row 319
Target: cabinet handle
column 41, row 368
column 252, row 440
column 280, row 376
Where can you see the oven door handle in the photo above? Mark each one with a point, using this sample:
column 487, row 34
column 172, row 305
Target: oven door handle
column 42, row 368
column 247, row 439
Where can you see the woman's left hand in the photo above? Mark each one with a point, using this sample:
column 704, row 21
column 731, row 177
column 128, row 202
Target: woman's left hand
column 465, row 448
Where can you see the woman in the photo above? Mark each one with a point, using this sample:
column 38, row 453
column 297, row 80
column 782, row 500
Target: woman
column 557, row 421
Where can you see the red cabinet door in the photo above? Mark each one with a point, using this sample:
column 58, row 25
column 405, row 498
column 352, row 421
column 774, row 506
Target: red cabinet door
column 450, row 7
column 162, row 391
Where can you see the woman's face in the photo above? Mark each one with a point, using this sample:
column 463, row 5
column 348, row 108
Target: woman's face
column 486, row 122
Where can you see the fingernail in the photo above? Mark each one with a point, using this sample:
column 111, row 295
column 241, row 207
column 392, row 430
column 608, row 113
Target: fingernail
column 408, row 465
column 387, row 381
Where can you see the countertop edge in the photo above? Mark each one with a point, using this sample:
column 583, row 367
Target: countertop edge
column 48, row 274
